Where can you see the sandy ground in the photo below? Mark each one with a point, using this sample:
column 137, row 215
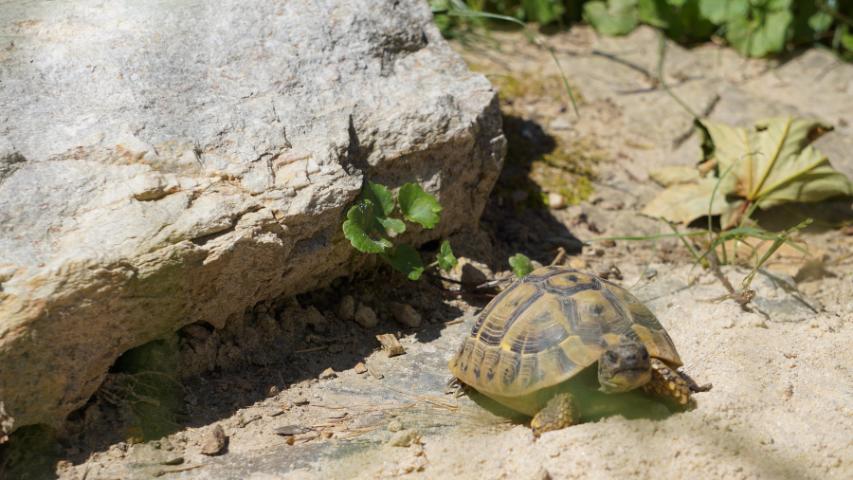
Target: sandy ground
column 782, row 399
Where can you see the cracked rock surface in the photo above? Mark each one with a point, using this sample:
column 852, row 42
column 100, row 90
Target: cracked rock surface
column 178, row 163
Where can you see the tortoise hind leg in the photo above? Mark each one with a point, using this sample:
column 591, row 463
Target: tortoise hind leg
column 560, row 412
column 672, row 385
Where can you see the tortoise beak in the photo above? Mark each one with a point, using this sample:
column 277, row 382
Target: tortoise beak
column 625, row 380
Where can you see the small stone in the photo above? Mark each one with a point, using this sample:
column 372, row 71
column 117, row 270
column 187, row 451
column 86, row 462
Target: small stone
column 612, row 272
column 338, row 415
column 578, row 263
column 471, row 272
column 395, row 425
column 404, row 438
column 360, row 368
column 328, row 373
column 346, row 308
column 406, row 315
column 556, row 201
column 214, row 440
column 273, row 391
column 299, row 401
column 608, row 243
column 291, row 430
column 375, row 373
column 390, row 344
column 315, row 319
column 365, row 316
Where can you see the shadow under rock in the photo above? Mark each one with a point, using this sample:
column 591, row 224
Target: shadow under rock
column 516, row 215
column 266, row 360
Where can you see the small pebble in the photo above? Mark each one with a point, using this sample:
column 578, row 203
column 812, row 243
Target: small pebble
column 327, row 373
column 390, row 344
column 290, row 430
column 556, row 201
column 214, row 440
column 404, row 438
column 360, row 368
column 273, row 391
column 365, row 316
column 299, row 401
column 405, row 314
column 315, row 319
column 346, row 308
column 395, row 426
column 578, row 263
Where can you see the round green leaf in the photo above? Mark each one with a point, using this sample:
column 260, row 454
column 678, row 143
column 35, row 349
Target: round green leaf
column 520, row 264
column 419, row 206
column 614, row 17
column 379, row 195
column 405, row 260
column 445, row 258
column 362, row 229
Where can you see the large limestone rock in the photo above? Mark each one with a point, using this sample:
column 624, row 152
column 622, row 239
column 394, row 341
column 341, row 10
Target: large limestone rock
column 163, row 163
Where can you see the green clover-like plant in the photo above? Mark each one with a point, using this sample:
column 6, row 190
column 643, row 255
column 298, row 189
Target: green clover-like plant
column 370, row 226
column 445, row 258
column 521, row 265
column 418, row 206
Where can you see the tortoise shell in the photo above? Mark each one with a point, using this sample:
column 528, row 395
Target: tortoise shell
column 548, row 327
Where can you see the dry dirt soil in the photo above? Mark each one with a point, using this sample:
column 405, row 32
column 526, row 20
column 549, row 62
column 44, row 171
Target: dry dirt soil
column 781, row 368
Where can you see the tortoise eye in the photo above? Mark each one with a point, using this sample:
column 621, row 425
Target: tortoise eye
column 611, row 357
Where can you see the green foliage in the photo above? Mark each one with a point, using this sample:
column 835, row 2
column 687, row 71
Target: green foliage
column 418, row 206
column 612, row 17
column 445, row 258
column 363, row 228
column 369, row 225
column 682, row 20
column 405, row 260
column 763, row 30
column 755, row 28
column 520, row 264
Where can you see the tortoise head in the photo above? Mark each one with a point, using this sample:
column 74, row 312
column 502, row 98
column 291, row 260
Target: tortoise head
column 624, row 367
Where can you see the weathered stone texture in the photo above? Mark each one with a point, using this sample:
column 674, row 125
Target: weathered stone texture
column 163, row 163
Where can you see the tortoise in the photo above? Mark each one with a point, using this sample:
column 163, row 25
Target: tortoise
column 535, row 346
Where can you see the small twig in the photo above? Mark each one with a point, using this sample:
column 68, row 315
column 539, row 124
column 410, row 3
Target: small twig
column 709, row 107
column 312, row 349
column 633, row 66
column 742, row 297
column 160, row 473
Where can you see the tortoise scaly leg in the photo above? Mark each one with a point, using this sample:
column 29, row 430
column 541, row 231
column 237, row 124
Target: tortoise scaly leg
column 670, row 384
column 559, row 412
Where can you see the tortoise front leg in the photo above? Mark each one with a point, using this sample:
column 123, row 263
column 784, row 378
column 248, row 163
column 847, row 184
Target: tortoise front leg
column 560, row 412
column 672, row 385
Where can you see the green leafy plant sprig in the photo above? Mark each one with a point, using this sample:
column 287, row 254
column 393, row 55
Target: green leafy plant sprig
column 370, row 226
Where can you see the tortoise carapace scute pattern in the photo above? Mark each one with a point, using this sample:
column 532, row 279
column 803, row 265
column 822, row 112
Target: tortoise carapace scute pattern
column 547, row 327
